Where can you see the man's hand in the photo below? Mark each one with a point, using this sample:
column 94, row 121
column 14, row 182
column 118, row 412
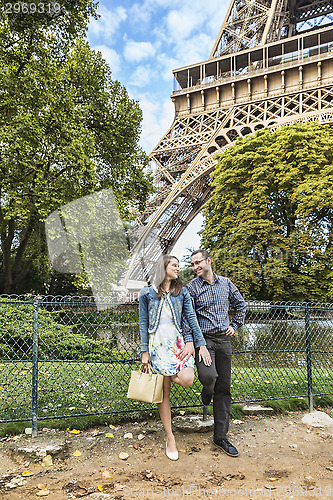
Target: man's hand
column 230, row 331
column 204, row 356
column 187, row 351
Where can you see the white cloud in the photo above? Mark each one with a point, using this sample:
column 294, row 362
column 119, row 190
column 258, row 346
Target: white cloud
column 107, row 24
column 158, row 116
column 189, row 238
column 195, row 49
column 166, row 64
column 191, row 19
column 180, row 23
column 140, row 15
column 137, row 51
column 188, row 52
column 142, row 76
column 112, row 58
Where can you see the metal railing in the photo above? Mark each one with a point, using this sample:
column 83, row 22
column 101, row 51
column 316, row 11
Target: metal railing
column 61, row 357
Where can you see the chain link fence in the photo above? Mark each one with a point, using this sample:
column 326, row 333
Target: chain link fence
column 60, row 356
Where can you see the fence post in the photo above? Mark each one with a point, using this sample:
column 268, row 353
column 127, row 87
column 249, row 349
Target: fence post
column 34, row 407
column 308, row 356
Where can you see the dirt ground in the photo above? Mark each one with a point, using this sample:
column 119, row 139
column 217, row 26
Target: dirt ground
column 279, row 458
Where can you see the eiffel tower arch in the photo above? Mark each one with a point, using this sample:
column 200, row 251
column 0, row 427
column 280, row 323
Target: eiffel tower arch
column 271, row 65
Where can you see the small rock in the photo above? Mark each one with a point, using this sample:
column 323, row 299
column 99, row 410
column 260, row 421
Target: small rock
column 256, row 409
column 318, row 419
column 39, row 448
column 193, row 423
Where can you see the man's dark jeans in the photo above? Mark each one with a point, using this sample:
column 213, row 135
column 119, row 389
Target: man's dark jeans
column 216, row 379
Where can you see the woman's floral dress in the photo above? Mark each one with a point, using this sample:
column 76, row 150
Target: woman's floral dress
column 165, row 344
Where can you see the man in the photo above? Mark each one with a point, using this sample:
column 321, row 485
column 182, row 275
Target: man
column 211, row 296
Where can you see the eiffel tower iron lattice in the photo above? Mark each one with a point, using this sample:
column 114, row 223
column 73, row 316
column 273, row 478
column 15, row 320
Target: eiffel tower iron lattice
column 271, row 65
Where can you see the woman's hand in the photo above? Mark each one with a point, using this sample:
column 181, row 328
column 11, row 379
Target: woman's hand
column 204, row 355
column 187, row 351
column 145, row 359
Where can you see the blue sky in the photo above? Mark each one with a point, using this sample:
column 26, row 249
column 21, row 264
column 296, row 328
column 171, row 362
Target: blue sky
column 142, row 43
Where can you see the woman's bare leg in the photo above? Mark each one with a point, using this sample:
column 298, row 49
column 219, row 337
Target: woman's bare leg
column 184, row 378
column 165, row 414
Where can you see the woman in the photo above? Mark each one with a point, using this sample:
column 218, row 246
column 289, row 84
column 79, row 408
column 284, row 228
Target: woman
column 160, row 309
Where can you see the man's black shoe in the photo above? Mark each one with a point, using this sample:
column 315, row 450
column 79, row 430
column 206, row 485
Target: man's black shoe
column 227, row 447
column 205, row 397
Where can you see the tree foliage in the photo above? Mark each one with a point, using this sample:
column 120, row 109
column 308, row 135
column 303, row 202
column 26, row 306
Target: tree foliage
column 269, row 221
column 186, row 274
column 66, row 130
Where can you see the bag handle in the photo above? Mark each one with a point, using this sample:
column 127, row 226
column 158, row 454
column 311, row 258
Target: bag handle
column 150, row 369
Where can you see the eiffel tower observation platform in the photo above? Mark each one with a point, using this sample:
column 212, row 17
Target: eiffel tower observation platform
column 283, row 66
column 271, row 65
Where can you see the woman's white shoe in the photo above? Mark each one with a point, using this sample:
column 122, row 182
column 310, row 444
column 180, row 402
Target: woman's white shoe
column 173, row 455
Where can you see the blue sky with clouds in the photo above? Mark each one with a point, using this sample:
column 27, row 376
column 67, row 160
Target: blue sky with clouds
column 142, row 43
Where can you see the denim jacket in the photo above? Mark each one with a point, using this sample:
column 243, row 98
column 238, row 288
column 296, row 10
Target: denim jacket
column 150, row 308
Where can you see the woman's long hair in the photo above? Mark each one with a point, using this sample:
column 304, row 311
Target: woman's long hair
column 159, row 279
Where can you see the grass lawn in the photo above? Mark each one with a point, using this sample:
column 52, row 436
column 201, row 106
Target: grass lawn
column 69, row 389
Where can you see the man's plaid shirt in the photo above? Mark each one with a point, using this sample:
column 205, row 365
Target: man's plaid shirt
column 211, row 303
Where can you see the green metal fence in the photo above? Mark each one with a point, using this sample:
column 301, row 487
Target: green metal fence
column 60, row 356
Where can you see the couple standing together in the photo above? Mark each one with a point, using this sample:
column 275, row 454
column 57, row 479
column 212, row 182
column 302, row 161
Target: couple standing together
column 178, row 325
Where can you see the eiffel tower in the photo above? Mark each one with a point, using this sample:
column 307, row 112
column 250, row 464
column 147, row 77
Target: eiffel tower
column 271, row 65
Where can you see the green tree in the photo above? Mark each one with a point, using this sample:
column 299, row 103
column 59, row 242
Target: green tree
column 186, row 274
column 66, row 130
column 269, row 221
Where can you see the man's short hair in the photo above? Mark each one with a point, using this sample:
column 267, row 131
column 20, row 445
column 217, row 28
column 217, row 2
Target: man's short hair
column 205, row 253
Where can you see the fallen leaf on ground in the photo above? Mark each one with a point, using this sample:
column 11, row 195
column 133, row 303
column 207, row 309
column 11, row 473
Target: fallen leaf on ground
column 15, row 482
column 128, row 435
column 183, row 451
column 123, row 456
column 42, row 493
column 136, row 446
column 118, row 487
column 75, row 431
column 27, row 473
column 272, row 478
column 41, row 486
column 47, row 461
column 109, row 435
column 112, row 426
column 140, row 436
column 100, row 487
column 77, row 453
column 238, row 421
column 182, row 412
column 107, row 474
